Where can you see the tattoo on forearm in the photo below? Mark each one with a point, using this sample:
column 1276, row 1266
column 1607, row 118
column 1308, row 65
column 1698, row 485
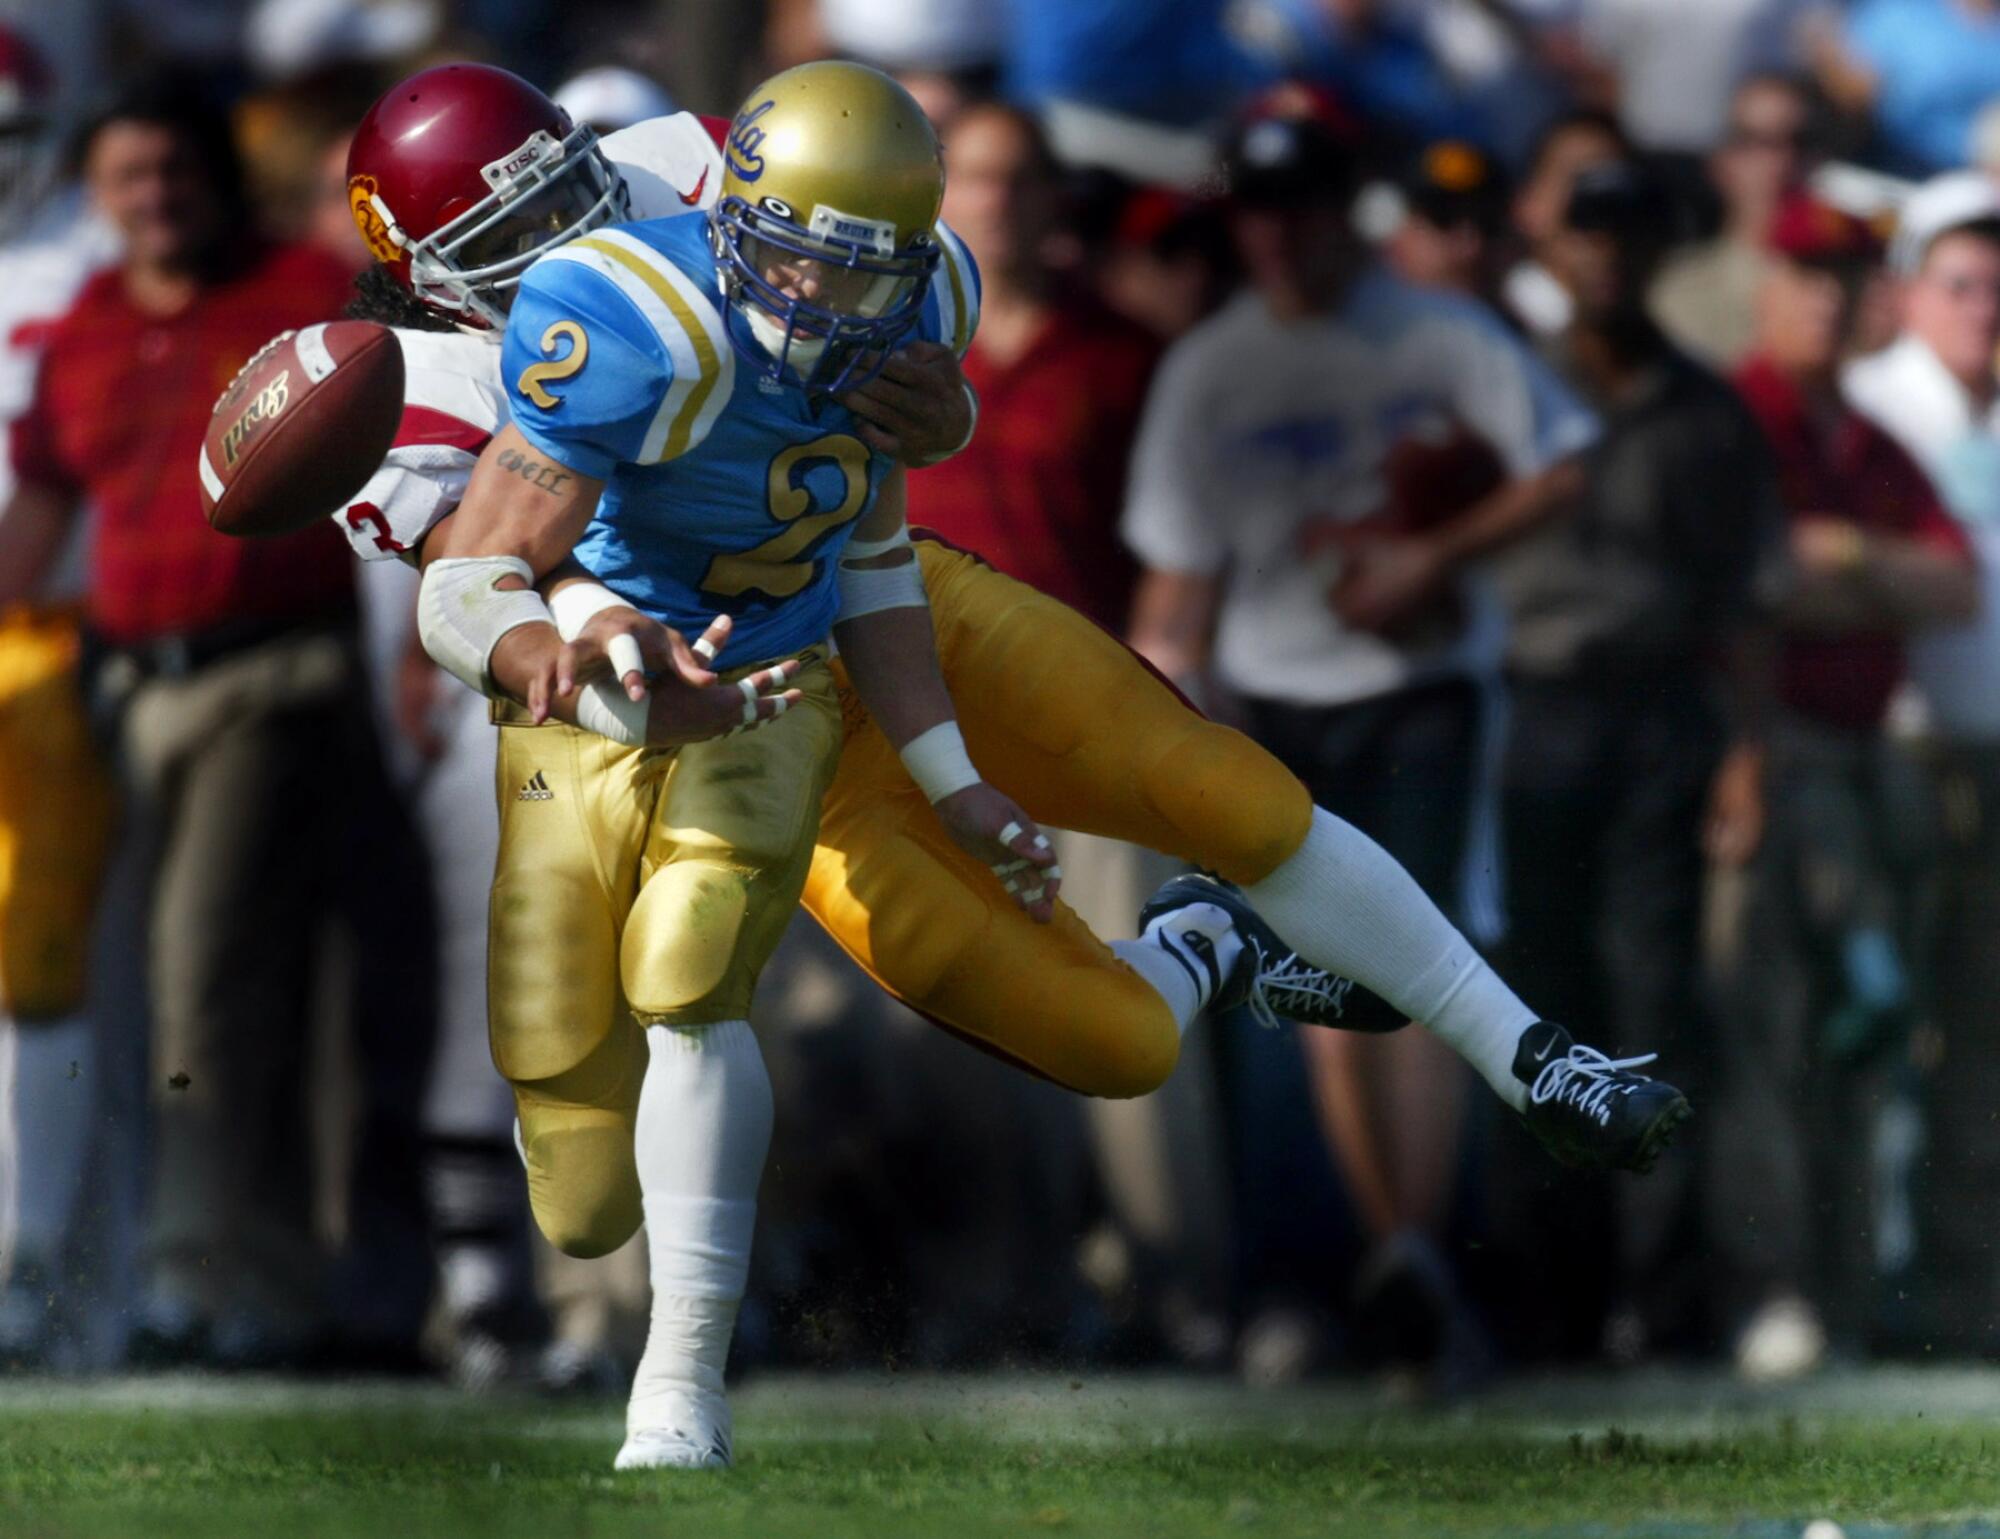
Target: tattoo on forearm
column 549, row 478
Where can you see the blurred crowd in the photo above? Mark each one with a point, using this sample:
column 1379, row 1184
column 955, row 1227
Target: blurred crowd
column 1566, row 432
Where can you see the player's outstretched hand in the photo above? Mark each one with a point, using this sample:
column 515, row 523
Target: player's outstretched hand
column 679, row 712
column 621, row 643
column 916, row 409
column 988, row 825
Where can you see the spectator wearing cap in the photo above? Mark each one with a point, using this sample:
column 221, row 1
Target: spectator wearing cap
column 1453, row 216
column 1919, row 71
column 1935, row 390
column 1705, row 297
column 1165, row 261
column 609, row 97
column 1280, row 567
column 1815, row 925
column 1638, row 665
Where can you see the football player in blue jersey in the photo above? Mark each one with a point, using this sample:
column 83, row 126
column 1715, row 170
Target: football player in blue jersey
column 677, row 425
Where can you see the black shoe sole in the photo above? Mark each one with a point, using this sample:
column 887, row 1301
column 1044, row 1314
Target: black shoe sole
column 1659, row 1134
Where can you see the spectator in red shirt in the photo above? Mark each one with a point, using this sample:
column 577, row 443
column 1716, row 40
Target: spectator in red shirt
column 1813, row 971
column 228, row 666
column 1060, row 381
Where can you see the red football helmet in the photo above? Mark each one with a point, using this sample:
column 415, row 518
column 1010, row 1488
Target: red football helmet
column 461, row 176
column 27, row 145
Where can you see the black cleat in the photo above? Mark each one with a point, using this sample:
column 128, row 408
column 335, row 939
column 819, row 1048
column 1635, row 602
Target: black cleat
column 1269, row 978
column 1591, row 1111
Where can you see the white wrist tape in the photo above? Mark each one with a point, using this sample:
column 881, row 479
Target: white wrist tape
column 861, row 550
column 609, row 712
column 938, row 763
column 462, row 612
column 864, row 590
column 575, row 604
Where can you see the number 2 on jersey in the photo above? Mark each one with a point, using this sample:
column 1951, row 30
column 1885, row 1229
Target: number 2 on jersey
column 530, row 384
column 774, row 568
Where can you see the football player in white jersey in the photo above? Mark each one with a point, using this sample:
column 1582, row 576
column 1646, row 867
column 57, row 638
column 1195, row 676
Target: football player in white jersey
column 55, row 801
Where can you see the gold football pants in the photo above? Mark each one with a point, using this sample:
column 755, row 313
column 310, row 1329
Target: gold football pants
column 634, row 887
column 1069, row 723
column 56, row 817
column 1055, row 712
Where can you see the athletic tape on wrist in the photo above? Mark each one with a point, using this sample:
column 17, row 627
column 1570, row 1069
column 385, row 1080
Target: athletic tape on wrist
column 938, row 763
column 462, row 613
column 609, row 712
column 576, row 604
column 866, row 590
column 858, row 549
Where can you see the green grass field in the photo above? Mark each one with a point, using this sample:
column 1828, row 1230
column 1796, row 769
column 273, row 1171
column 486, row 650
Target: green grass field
column 1880, row 1453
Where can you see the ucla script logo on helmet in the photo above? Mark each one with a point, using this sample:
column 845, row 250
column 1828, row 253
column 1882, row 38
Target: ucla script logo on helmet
column 745, row 140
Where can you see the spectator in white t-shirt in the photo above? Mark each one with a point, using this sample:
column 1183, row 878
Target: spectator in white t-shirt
column 1282, row 566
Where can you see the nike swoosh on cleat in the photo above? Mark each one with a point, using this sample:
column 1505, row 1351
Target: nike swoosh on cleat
column 691, row 199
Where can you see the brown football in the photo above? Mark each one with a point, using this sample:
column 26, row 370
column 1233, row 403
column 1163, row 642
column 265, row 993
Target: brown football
column 302, row 427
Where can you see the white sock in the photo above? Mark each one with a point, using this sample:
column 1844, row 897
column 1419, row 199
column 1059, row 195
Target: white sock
column 1200, row 943
column 704, row 1127
column 54, row 1101
column 1151, row 962
column 1349, row 907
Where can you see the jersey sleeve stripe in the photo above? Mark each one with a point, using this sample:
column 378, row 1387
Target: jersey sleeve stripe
column 964, row 297
column 428, row 425
column 944, row 294
column 697, row 321
column 612, row 265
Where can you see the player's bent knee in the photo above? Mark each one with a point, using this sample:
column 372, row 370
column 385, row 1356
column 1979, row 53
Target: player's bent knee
column 1119, row 1038
column 1238, row 811
column 682, row 936
column 583, row 1187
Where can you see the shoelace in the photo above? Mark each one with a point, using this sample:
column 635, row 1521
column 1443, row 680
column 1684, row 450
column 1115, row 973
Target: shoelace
column 1293, row 988
column 1587, row 1080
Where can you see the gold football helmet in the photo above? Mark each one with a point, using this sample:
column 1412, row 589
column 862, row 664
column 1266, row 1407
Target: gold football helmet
column 831, row 183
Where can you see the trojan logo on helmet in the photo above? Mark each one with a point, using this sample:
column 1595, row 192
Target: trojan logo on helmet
column 461, row 176
column 831, row 183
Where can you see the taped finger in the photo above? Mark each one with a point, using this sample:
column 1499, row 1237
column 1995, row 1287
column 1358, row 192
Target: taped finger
column 709, row 642
column 623, row 651
column 1011, row 832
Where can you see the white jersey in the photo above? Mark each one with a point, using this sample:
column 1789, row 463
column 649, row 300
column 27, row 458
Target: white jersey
column 1914, row 398
column 1259, row 431
column 41, row 272
column 454, row 401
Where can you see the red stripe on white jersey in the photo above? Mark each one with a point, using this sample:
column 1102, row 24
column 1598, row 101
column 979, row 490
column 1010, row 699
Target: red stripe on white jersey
column 427, row 425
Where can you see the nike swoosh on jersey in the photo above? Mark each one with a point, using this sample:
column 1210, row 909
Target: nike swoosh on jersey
column 693, row 199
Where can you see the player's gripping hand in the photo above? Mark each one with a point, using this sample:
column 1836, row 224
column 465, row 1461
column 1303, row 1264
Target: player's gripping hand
column 917, row 408
column 986, row 824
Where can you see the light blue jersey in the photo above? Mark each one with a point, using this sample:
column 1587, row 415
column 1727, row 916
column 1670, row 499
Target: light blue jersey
column 724, row 493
